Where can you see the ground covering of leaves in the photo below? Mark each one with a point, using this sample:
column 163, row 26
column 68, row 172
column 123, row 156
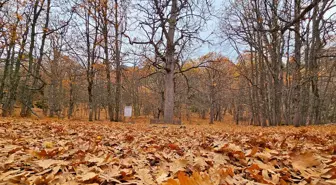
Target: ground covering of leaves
column 59, row 152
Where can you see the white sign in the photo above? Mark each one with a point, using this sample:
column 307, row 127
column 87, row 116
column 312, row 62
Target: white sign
column 128, row 111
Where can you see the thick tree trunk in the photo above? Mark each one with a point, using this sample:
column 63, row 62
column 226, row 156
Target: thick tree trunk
column 169, row 96
column 170, row 66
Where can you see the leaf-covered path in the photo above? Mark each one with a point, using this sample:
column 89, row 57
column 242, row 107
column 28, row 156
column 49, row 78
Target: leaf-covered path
column 47, row 152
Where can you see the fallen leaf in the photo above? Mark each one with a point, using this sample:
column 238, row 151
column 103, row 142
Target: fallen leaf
column 50, row 162
column 87, row 176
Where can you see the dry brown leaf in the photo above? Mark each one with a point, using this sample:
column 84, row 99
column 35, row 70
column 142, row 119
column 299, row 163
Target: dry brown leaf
column 50, row 162
column 253, row 151
column 87, row 176
column 178, row 165
column 146, row 178
column 304, row 161
column 163, row 176
column 331, row 182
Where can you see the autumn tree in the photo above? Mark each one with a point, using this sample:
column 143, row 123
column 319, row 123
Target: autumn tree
column 33, row 69
column 169, row 27
column 276, row 34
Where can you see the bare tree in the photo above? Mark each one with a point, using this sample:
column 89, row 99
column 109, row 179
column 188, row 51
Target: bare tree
column 169, row 27
column 279, row 89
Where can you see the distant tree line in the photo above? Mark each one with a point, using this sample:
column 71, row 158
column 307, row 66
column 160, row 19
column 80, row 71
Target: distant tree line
column 90, row 58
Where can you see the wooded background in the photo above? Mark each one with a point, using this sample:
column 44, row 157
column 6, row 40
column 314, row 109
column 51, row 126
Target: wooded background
column 93, row 57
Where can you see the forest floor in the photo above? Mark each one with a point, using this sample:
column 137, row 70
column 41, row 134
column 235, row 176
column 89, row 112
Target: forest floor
column 79, row 152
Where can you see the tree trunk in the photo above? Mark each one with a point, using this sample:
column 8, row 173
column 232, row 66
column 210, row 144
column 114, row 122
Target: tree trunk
column 107, row 62
column 313, row 65
column 26, row 102
column 118, row 65
column 169, row 96
column 212, row 99
column 36, row 70
column 6, row 70
column 91, row 57
column 297, row 120
column 203, row 114
column 170, row 66
column 8, row 107
column 90, row 101
column 71, row 101
column 9, row 58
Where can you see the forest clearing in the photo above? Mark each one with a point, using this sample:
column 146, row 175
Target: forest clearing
column 78, row 152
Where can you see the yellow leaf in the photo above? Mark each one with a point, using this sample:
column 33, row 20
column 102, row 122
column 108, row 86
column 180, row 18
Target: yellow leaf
column 48, row 144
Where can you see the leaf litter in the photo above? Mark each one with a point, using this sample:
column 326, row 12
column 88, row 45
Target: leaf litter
column 72, row 153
